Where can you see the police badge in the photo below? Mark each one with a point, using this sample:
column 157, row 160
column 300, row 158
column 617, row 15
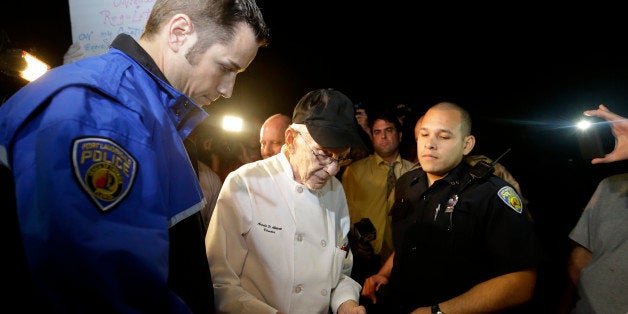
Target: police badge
column 105, row 170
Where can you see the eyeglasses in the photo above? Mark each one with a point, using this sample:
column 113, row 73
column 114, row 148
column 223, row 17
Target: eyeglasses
column 324, row 158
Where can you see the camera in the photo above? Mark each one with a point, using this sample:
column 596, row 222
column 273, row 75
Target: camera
column 590, row 138
column 364, row 231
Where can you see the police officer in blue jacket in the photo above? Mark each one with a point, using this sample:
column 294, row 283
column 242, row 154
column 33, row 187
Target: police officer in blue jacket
column 107, row 199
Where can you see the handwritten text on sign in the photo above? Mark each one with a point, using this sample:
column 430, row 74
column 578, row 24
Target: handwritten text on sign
column 95, row 23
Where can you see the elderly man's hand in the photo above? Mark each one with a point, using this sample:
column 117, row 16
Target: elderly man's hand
column 351, row 307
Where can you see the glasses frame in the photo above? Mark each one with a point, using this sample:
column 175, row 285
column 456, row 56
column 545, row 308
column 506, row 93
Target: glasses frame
column 323, row 158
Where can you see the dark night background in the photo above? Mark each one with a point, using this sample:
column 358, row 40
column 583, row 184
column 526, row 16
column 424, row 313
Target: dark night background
column 525, row 73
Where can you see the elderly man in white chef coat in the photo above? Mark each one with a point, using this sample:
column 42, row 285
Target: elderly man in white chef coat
column 277, row 241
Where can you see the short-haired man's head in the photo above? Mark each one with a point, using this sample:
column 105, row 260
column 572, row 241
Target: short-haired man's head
column 386, row 135
column 387, row 116
column 272, row 134
column 278, row 120
column 465, row 117
column 215, row 21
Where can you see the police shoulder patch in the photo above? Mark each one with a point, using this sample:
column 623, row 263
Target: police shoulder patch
column 508, row 195
column 104, row 169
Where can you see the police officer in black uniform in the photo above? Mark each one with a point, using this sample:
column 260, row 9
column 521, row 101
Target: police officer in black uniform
column 463, row 241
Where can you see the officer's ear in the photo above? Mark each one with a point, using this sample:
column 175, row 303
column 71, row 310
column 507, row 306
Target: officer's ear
column 469, row 142
column 180, row 31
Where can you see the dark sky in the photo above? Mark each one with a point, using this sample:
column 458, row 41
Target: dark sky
column 525, row 74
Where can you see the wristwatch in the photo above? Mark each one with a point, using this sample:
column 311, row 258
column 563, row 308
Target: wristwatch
column 436, row 310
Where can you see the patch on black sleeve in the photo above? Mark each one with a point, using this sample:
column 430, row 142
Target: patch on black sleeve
column 511, row 198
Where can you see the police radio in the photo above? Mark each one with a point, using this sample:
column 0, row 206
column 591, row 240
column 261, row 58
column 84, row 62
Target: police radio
column 482, row 168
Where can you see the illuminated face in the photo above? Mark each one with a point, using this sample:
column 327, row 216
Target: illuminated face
column 214, row 72
column 313, row 165
column 272, row 137
column 440, row 142
column 386, row 138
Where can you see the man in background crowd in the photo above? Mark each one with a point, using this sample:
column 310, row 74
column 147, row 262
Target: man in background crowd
column 596, row 269
column 369, row 186
column 204, row 137
column 272, row 134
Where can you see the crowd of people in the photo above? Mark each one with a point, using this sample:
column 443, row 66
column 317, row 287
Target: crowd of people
column 331, row 209
column 365, row 181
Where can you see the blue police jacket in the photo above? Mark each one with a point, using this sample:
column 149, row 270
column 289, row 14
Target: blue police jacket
column 101, row 174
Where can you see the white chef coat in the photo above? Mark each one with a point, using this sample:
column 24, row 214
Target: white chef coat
column 274, row 245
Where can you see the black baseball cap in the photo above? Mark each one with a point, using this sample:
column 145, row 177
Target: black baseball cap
column 329, row 117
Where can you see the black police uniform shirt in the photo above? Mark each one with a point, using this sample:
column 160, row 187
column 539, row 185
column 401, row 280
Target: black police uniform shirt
column 448, row 238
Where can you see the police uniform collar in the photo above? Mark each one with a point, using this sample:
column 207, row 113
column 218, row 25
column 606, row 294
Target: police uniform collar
column 455, row 175
column 183, row 111
column 130, row 47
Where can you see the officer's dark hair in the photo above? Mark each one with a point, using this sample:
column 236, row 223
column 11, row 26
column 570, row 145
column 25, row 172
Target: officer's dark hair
column 465, row 117
column 215, row 21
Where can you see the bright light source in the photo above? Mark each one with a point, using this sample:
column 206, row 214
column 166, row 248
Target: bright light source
column 583, row 124
column 231, row 123
column 34, row 67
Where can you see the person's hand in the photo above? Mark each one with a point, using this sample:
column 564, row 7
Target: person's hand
column 372, row 284
column 363, row 120
column 74, row 53
column 619, row 127
column 351, row 307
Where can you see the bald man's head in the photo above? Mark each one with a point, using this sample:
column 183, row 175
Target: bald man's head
column 272, row 134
